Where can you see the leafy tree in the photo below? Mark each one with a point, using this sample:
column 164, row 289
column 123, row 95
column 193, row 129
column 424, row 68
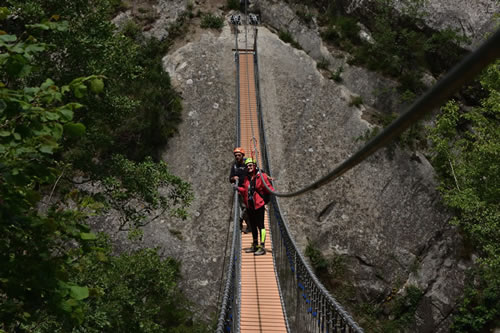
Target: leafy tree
column 133, row 117
column 34, row 235
column 47, row 252
column 132, row 292
column 466, row 145
column 139, row 110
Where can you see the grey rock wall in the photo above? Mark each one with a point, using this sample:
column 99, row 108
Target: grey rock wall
column 375, row 90
column 154, row 17
column 472, row 18
column 203, row 72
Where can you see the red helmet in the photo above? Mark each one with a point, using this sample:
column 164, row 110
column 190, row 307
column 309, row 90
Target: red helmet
column 239, row 150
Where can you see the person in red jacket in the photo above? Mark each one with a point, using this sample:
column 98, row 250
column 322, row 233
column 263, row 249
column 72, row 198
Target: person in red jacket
column 253, row 191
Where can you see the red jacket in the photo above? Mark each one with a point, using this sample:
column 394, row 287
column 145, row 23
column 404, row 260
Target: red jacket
column 259, row 188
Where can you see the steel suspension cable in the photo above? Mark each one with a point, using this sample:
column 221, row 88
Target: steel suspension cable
column 466, row 70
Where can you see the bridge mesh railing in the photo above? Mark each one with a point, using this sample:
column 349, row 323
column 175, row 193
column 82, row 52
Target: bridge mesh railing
column 309, row 306
column 229, row 317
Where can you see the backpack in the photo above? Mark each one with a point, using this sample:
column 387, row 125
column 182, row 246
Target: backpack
column 266, row 197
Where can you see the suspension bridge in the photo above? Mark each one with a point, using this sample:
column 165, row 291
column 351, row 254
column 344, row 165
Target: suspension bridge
column 278, row 292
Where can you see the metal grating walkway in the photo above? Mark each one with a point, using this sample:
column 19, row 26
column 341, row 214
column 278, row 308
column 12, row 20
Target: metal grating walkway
column 261, row 309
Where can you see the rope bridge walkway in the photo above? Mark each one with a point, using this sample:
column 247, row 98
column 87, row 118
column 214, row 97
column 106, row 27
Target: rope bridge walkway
column 278, row 292
column 261, row 309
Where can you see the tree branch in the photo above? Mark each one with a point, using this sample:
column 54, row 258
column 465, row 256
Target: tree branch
column 453, row 173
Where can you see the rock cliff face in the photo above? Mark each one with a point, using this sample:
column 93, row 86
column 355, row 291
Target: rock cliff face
column 203, row 71
column 383, row 217
column 472, row 18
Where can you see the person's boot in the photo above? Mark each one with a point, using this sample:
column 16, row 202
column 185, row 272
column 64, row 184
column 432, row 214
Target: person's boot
column 251, row 249
column 260, row 251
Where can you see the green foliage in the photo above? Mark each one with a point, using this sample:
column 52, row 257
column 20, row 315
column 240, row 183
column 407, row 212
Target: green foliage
column 133, row 292
column 34, row 232
column 330, row 34
column 305, row 15
column 403, row 308
column 356, row 101
column 86, row 127
column 323, row 64
column 131, row 29
column 139, row 110
column 209, row 21
column 287, row 37
column 318, row 261
column 466, row 146
column 401, row 49
column 348, row 28
column 129, row 181
column 336, row 76
column 180, row 26
column 233, row 4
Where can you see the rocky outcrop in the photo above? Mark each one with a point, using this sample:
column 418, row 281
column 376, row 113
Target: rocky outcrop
column 154, row 18
column 472, row 18
column 375, row 90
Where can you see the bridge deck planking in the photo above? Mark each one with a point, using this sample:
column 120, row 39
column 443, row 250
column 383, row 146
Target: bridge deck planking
column 261, row 309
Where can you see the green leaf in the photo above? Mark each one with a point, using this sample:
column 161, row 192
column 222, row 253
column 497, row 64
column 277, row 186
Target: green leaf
column 4, row 12
column 80, row 90
column 48, row 147
column 88, row 236
column 48, row 83
column 68, row 305
column 65, row 89
column 50, row 115
column 68, row 114
column 74, row 130
column 62, row 26
column 79, row 293
column 8, row 38
column 4, row 133
column 34, row 48
column 57, row 131
column 96, row 86
column 17, row 136
column 38, row 26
